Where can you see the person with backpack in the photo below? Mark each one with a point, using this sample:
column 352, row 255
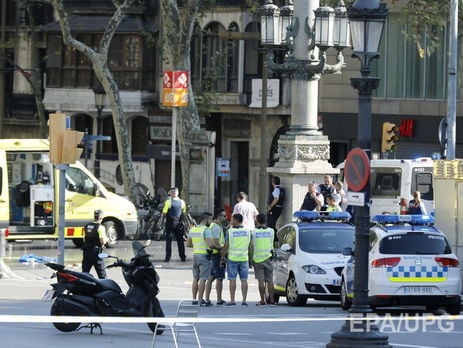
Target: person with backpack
column 276, row 200
column 94, row 241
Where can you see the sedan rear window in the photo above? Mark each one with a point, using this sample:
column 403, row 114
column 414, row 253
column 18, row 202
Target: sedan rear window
column 326, row 241
column 414, row 244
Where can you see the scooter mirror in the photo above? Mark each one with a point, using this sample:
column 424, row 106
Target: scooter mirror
column 103, row 255
column 147, row 242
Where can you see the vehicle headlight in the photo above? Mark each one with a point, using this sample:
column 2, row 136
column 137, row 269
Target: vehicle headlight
column 313, row 269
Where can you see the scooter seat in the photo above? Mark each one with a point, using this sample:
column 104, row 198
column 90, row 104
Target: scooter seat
column 110, row 284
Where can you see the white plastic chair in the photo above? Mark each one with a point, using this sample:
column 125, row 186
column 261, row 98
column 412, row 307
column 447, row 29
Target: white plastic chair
column 185, row 309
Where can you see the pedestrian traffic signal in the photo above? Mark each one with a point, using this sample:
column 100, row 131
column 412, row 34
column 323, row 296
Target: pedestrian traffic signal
column 65, row 144
column 72, row 146
column 390, row 136
column 56, row 127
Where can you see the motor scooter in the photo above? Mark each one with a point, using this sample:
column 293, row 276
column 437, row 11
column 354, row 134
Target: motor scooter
column 81, row 294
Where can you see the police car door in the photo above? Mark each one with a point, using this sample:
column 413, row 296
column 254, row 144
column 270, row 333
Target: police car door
column 287, row 241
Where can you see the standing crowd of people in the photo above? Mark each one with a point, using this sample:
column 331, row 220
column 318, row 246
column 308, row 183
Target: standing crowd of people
column 327, row 196
column 220, row 248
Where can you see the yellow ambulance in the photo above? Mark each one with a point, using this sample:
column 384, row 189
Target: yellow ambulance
column 29, row 188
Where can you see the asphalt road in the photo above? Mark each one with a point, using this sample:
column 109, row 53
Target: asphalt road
column 308, row 326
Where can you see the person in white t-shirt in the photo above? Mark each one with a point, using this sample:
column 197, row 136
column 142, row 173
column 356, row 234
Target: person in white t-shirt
column 247, row 209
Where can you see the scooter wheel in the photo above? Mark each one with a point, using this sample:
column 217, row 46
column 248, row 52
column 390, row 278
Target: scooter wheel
column 64, row 327
column 156, row 311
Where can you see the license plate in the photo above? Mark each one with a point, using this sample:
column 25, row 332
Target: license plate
column 49, row 294
column 423, row 290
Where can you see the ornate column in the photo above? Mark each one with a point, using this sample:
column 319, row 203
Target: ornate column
column 303, row 152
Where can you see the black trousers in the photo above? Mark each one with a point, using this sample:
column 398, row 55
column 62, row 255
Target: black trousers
column 171, row 231
column 272, row 217
column 91, row 259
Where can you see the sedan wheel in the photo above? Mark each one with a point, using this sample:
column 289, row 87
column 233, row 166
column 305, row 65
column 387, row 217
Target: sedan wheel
column 292, row 296
column 346, row 303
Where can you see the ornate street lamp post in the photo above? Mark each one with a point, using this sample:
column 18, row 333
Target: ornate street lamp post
column 100, row 101
column 305, row 32
column 367, row 18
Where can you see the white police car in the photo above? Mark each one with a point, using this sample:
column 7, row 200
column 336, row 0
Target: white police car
column 309, row 261
column 410, row 263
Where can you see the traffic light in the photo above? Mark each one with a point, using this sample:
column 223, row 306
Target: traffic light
column 390, row 136
column 64, row 143
column 56, row 127
column 72, row 146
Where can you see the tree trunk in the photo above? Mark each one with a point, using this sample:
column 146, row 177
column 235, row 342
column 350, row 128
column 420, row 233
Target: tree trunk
column 178, row 31
column 99, row 59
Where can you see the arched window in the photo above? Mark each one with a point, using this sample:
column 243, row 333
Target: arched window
column 214, row 61
column 140, row 136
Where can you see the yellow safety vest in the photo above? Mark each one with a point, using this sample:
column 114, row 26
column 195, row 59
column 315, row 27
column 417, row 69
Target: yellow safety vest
column 197, row 237
column 262, row 241
column 213, row 226
column 238, row 240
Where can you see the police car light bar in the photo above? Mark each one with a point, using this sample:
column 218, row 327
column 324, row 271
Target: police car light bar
column 397, row 219
column 325, row 215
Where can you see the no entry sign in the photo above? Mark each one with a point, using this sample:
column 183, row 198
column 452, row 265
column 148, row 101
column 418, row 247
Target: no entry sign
column 357, row 169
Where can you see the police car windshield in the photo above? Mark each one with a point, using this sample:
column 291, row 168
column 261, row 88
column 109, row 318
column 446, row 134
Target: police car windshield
column 325, row 241
column 414, row 244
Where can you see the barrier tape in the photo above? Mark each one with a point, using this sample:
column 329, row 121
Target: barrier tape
column 171, row 320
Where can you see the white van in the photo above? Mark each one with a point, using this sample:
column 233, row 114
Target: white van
column 393, row 181
column 29, row 189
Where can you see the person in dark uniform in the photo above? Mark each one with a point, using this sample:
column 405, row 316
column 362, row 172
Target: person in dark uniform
column 94, row 241
column 275, row 205
column 172, row 210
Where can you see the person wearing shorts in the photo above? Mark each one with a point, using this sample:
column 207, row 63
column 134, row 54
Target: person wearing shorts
column 237, row 250
column 218, row 263
column 261, row 250
column 200, row 239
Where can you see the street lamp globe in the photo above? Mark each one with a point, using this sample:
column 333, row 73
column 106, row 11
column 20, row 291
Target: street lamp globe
column 100, row 97
column 324, row 26
column 367, row 18
column 286, row 21
column 341, row 38
column 270, row 24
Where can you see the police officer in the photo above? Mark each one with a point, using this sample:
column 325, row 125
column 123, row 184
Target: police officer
column 275, row 204
column 200, row 239
column 172, row 210
column 237, row 250
column 261, row 250
column 218, row 267
column 94, row 241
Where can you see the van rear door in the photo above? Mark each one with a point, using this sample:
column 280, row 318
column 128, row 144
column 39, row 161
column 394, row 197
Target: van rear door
column 4, row 192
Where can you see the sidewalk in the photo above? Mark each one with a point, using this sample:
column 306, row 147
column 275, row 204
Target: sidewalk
column 11, row 268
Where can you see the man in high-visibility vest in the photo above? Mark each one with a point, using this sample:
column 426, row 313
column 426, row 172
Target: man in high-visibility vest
column 236, row 249
column 261, row 250
column 200, row 239
column 218, row 266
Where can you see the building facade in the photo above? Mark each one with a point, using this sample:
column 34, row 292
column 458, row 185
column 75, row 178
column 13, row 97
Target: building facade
column 226, row 67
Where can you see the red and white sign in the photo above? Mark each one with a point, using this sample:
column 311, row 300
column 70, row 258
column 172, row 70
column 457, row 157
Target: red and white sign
column 175, row 88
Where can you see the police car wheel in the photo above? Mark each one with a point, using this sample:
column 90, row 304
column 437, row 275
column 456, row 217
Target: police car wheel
column 292, row 296
column 454, row 309
column 345, row 302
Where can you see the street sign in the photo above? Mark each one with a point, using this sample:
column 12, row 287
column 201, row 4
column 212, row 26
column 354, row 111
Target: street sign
column 175, row 88
column 90, row 137
column 357, row 169
column 356, row 198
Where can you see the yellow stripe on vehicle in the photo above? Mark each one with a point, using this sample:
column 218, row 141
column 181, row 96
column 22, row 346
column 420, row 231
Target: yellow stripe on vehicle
column 280, row 288
column 417, row 280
